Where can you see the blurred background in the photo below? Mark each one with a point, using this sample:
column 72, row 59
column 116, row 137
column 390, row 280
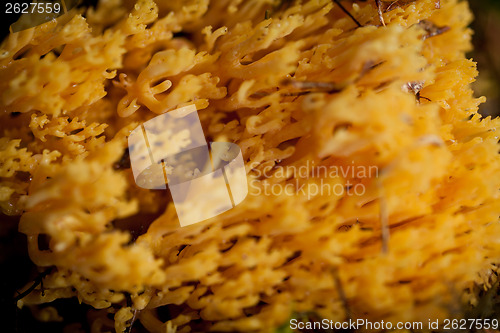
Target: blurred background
column 486, row 53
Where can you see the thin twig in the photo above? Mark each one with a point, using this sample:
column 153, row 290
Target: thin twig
column 379, row 8
column 384, row 222
column 132, row 321
column 313, row 86
column 432, row 29
column 347, row 12
column 38, row 280
column 390, row 6
column 343, row 298
column 419, row 97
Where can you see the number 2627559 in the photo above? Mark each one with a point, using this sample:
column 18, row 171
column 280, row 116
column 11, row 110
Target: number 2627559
column 31, row 8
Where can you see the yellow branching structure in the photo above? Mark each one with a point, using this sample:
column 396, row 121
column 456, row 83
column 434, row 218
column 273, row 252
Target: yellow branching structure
column 294, row 85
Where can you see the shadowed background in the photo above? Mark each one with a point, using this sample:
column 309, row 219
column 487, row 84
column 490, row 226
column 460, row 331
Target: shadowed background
column 486, row 53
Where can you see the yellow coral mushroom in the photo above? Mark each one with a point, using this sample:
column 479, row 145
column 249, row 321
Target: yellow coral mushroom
column 298, row 86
